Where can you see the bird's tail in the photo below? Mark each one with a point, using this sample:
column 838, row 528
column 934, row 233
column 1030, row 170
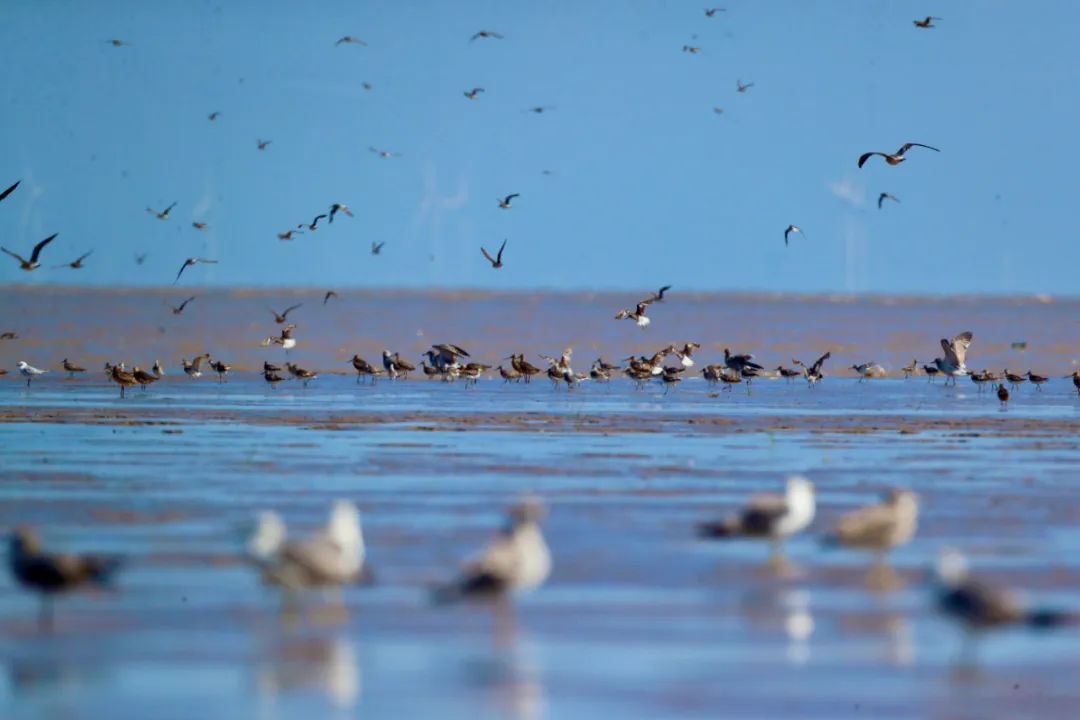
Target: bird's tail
column 101, row 569
column 1043, row 619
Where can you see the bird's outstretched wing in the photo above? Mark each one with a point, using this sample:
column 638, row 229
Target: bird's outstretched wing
column 290, row 309
column 184, row 304
column 908, row 146
column 37, row 248
column 84, row 256
column 501, row 248
column 14, row 255
column 489, row 258
column 866, row 156
column 816, row 367
column 183, row 267
column 9, row 190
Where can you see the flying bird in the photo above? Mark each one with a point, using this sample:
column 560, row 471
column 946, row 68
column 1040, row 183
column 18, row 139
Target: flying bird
column 897, row 157
column 709, row 12
column 637, row 315
column 118, row 43
column 140, row 258
column 261, row 144
column 486, row 34
column 180, row 308
column 329, row 294
column 32, row 263
column 540, row 109
column 367, row 85
column 376, row 248
column 792, row 229
column 692, row 49
column 658, row 296
column 886, row 196
column 213, row 116
column 927, row 22
column 192, row 261
column 289, row 234
column 283, row 317
column 164, row 214
column 339, row 207
column 78, row 263
column 199, row 225
column 350, row 40
column 314, row 223
column 9, row 190
column 496, row 262
column 474, row 93
column 741, row 87
column 505, row 203
column 383, row 153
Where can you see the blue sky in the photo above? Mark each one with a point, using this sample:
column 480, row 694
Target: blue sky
column 648, row 185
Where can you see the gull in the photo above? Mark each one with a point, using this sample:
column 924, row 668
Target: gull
column 658, row 296
column 897, row 157
column 879, row 528
column 709, row 12
column 164, row 214
column 29, row 371
column 288, row 235
column 772, row 517
column 49, row 575
column 339, row 207
column 505, row 202
column 376, row 248
column 32, row 263
column 314, row 224
column 194, row 368
column 350, row 40
column 9, row 190
column 496, row 262
column 76, row 264
column 283, row 317
column 213, row 116
column 692, row 49
column 192, row 261
column 952, row 364
column 517, row 559
column 159, row 372
column 742, row 87
column 329, row 294
column 71, row 368
column 445, row 356
column 792, row 229
column 180, row 308
column 286, row 341
column 685, row 355
column 199, row 225
column 384, row 153
column 474, row 93
column 869, row 370
column 638, row 315
column 486, row 34
column 927, row 22
column 262, row 144
column 886, row 196
column 330, row 558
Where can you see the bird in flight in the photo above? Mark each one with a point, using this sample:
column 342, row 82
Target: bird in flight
column 118, row 43
column 78, row 263
column 741, row 87
column 140, row 258
column 540, row 109
column 289, row 235
column 927, row 22
column 384, row 153
column 637, row 315
column 367, row 85
column 718, row 110
column 886, row 196
column 164, row 214
column 709, row 12
column 474, row 93
column 486, row 34
column 376, row 248
column 505, row 202
column 692, row 49
column 176, row 310
column 329, row 294
column 9, row 190
column 339, row 207
column 350, row 40
column 283, row 317
column 199, row 225
column 32, row 263
column 658, row 296
column 792, row 229
column 213, row 116
column 314, row 223
column 496, row 262
column 262, row 143
column 897, row 157
column 192, row 261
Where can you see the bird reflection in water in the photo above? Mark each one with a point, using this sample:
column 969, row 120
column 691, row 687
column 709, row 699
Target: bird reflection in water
column 328, row 665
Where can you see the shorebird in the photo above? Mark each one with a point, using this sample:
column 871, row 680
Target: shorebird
column 159, row 372
column 314, row 224
column 162, row 215
column 1003, row 394
column 403, row 366
column 671, row 377
column 927, row 22
column 886, row 196
column 692, row 49
column 376, row 248
column 383, row 153
column 523, row 366
column 350, row 40
column 122, row 378
column 709, row 12
column 879, row 528
column 192, row 261
column 638, row 315
column 199, row 225
column 221, row 369
column 270, row 367
column 474, row 93
column 143, row 378
column 1076, row 380
column 730, row 377
column 288, row 235
column 1036, row 380
column 32, row 263
column 981, row 378
column 362, row 367
column 787, row 373
column 931, row 372
column 329, row 294
column 897, row 157
column 213, row 116
column 262, row 144
column 911, row 369
column 300, row 373
column 76, row 264
column 330, row 558
column 50, row 575
column 486, row 34
column 952, row 365
column 869, row 370
column 29, row 371
column 742, row 87
column 9, row 190
column 505, row 203
column 272, row 378
column 600, row 372
column 517, row 559
column 813, row 374
column 772, row 517
column 472, row 372
column 496, row 262
column 284, row 316
column 339, row 207
column 739, row 362
column 179, row 308
column 429, row 371
column 71, row 368
column 792, row 229
column 507, row 375
column 1014, row 379
column 391, row 364
column 194, row 368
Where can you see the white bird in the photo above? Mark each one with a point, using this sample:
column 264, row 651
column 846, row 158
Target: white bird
column 29, row 371
column 772, row 517
column 952, row 365
column 869, row 370
column 516, row 560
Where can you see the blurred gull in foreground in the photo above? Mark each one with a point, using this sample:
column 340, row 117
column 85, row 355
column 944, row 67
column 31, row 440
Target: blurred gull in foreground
column 879, row 529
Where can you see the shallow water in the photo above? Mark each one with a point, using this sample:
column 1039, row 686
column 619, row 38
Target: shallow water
column 639, row 618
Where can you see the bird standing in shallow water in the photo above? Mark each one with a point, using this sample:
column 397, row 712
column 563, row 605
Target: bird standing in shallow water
column 1003, row 394
column 71, row 368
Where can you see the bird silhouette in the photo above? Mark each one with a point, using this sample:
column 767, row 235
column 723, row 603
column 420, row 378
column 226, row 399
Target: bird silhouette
column 496, row 262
